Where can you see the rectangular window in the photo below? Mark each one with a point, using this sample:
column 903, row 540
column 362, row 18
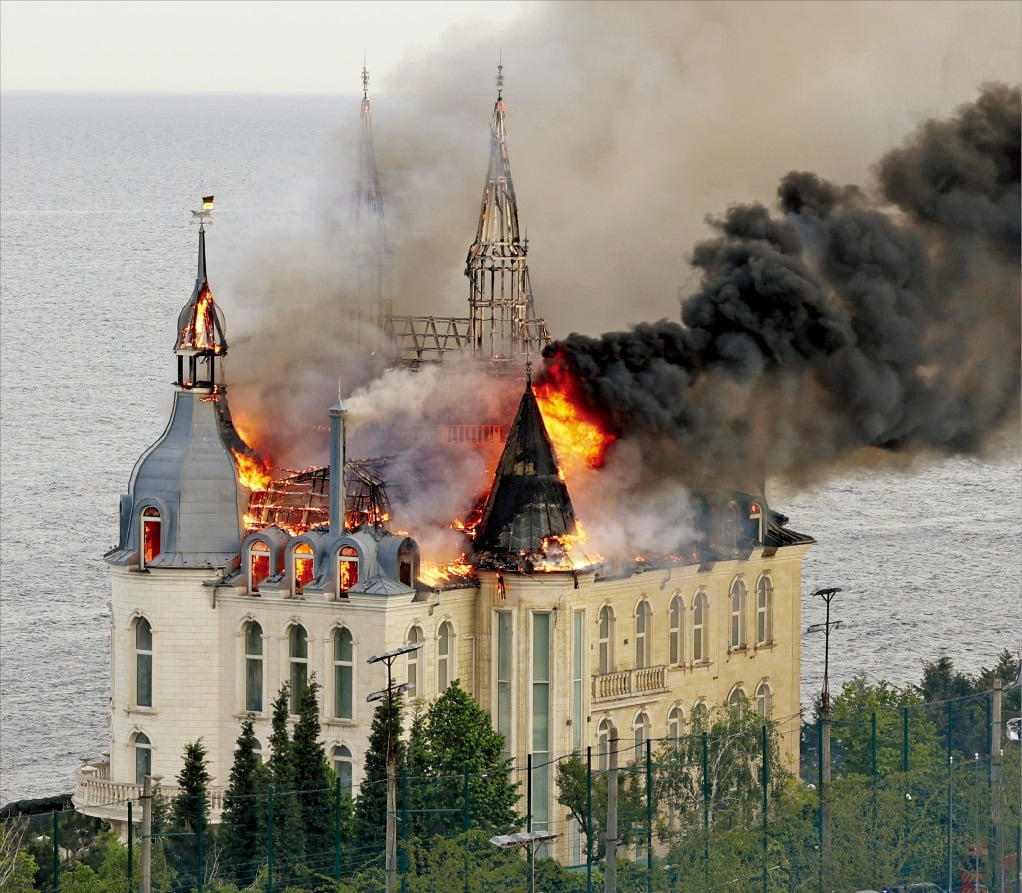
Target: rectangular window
column 577, row 658
column 540, row 721
column 254, row 684
column 144, row 680
column 505, row 662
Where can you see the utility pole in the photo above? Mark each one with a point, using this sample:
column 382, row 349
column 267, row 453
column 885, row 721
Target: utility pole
column 610, row 875
column 145, row 855
column 390, row 859
column 996, row 782
column 825, row 716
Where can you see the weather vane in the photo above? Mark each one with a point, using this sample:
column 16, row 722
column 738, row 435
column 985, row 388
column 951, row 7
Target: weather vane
column 205, row 212
column 365, row 78
column 500, row 74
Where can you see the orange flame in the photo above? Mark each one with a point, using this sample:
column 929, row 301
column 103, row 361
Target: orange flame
column 574, row 436
column 252, row 471
column 437, row 575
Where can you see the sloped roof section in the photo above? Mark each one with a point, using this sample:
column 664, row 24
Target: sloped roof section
column 529, row 502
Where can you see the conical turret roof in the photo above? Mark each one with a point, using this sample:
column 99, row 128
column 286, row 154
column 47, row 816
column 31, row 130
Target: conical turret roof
column 529, row 502
column 200, row 327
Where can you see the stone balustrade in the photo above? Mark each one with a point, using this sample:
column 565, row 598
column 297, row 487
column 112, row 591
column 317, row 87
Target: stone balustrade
column 629, row 683
column 97, row 795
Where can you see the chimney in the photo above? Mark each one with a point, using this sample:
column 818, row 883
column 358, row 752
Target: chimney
column 337, row 485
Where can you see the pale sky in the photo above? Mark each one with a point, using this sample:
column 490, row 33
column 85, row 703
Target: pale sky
column 184, row 46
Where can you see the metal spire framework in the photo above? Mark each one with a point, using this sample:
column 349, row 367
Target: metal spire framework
column 501, row 310
column 501, row 325
column 371, row 255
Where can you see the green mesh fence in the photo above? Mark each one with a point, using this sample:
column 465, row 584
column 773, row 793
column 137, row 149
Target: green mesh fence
column 916, row 794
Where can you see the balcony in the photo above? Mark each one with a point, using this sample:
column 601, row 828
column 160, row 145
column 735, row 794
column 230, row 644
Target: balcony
column 630, row 683
column 96, row 795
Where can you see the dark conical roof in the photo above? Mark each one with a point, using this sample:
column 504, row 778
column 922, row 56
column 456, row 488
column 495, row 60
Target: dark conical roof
column 529, row 501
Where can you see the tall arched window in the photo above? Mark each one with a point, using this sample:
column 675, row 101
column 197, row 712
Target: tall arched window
column 764, row 700
column 737, row 700
column 642, row 656
column 675, row 722
column 143, row 663
column 143, row 757
column 412, row 672
column 700, row 716
column 258, row 565
column 347, row 569
column 303, row 561
column 298, row 658
column 603, row 743
column 344, row 669
column 640, row 728
column 151, row 534
column 253, row 667
column 700, row 615
column 737, row 639
column 764, row 611
column 677, row 653
column 606, row 640
column 342, row 768
column 444, row 656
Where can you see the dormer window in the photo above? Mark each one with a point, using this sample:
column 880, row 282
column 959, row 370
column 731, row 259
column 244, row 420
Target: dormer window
column 303, row 560
column 258, row 565
column 347, row 569
column 151, row 533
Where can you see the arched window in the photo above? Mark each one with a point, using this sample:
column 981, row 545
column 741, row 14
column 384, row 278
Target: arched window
column 143, row 757
column 606, row 640
column 303, row 561
column 342, row 768
column 257, row 749
column 700, row 716
column 764, row 700
column 444, row 656
column 151, row 534
column 344, row 668
column 406, row 563
column 298, row 657
column 737, row 639
column 258, row 564
column 737, row 700
column 347, row 569
column 603, row 743
column 677, row 652
column 143, row 663
column 764, row 611
column 675, row 722
column 700, row 614
column 253, row 667
column 642, row 656
column 412, row 672
column 640, row 728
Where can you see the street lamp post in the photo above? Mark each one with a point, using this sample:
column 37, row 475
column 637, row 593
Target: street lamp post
column 528, row 839
column 827, row 595
column 388, row 658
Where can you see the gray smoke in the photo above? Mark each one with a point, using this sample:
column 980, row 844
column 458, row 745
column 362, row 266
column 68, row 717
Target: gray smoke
column 885, row 318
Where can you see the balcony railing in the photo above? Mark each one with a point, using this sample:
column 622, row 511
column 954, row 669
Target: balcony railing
column 97, row 795
column 628, row 683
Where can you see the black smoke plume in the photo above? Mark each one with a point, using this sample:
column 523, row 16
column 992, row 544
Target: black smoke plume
column 852, row 319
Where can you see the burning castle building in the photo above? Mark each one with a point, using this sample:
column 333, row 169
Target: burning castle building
column 226, row 584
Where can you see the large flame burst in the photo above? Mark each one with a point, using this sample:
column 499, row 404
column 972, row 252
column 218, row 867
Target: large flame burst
column 576, row 436
column 253, row 472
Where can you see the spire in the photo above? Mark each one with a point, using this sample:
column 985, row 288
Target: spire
column 200, row 326
column 500, row 293
column 370, row 251
column 529, row 502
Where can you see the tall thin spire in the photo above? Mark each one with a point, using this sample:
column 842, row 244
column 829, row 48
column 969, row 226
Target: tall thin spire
column 500, row 293
column 370, row 249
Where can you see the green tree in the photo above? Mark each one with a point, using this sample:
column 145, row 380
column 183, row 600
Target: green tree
column 288, row 835
column 371, row 807
column 852, row 733
column 191, row 805
column 243, row 831
column 454, row 735
column 314, row 782
column 17, row 866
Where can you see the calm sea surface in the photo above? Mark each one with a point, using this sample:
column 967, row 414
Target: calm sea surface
column 97, row 262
